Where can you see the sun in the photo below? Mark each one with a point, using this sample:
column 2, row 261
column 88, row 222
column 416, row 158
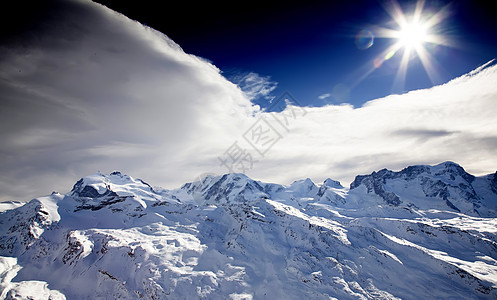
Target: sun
column 411, row 33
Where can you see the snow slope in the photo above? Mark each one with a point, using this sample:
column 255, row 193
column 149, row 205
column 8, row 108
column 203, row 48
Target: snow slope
column 423, row 232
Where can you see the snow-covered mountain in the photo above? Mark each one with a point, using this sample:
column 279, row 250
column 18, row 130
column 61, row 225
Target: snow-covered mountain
column 423, row 232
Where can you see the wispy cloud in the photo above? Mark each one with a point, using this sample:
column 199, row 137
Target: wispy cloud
column 324, row 96
column 114, row 94
column 255, row 86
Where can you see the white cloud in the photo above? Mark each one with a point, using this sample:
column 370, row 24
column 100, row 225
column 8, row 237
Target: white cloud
column 455, row 121
column 97, row 91
column 324, row 96
column 255, row 86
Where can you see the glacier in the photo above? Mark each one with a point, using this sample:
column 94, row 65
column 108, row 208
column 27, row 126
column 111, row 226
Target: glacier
column 422, row 232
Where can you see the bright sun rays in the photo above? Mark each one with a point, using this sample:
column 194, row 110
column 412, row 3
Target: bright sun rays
column 411, row 33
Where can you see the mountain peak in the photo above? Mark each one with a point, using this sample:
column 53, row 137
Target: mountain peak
column 227, row 188
column 450, row 164
column 116, row 192
column 303, row 182
column 304, row 188
column 453, row 169
column 99, row 184
column 447, row 181
column 92, row 186
column 332, row 183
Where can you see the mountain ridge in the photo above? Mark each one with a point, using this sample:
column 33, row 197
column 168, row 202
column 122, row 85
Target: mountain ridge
column 390, row 235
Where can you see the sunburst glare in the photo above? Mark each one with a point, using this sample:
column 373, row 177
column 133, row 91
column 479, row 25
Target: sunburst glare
column 411, row 32
column 412, row 35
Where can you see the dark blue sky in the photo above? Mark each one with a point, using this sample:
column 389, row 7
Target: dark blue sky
column 309, row 48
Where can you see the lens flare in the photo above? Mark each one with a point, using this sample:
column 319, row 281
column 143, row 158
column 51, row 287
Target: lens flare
column 377, row 62
column 364, row 39
column 390, row 54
